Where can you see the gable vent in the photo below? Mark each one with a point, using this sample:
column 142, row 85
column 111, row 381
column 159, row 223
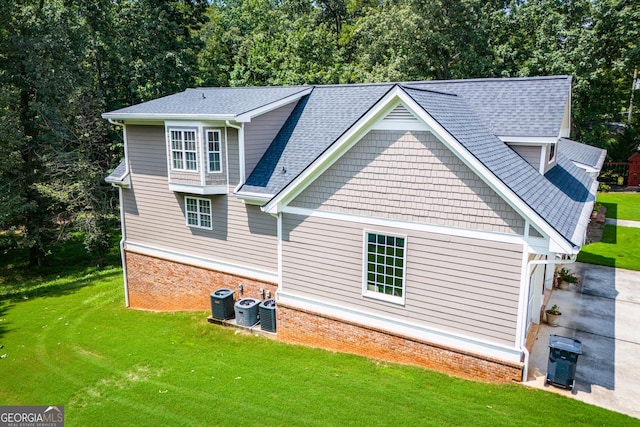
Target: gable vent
column 400, row 113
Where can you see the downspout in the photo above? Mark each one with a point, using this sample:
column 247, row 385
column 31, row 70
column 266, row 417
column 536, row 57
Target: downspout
column 523, row 308
column 240, row 152
column 122, row 224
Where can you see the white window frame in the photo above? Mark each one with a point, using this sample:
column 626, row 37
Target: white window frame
column 200, row 213
column 182, row 150
column 210, row 152
column 366, row 261
column 553, row 149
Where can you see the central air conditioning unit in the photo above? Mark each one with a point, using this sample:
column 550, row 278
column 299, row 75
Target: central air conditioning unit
column 247, row 312
column 268, row 315
column 222, row 304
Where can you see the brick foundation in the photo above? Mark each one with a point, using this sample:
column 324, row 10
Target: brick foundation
column 313, row 329
column 158, row 284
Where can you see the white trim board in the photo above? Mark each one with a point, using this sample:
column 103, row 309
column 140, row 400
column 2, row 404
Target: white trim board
column 201, row 262
column 406, row 225
column 393, row 325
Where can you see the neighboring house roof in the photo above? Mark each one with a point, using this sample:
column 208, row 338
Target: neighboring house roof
column 210, row 103
column 584, row 154
column 515, row 106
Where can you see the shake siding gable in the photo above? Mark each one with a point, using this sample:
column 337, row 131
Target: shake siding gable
column 461, row 285
column 409, row 176
column 154, row 215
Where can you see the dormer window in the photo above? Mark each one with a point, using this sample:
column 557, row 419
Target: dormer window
column 552, row 152
column 184, row 153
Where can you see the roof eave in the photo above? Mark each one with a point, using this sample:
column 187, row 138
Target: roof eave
column 164, row 116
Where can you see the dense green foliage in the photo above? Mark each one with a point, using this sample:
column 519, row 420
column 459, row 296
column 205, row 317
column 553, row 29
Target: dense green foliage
column 63, row 63
column 68, row 340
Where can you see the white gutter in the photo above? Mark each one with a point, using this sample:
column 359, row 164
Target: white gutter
column 240, row 152
column 122, row 224
column 524, row 302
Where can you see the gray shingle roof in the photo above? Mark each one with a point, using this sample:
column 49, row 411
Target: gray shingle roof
column 316, row 122
column 209, row 101
column 582, row 153
column 558, row 197
column 512, row 107
column 118, row 174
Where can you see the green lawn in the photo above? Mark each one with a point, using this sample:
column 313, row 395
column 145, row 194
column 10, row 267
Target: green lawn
column 620, row 247
column 69, row 341
column 621, row 205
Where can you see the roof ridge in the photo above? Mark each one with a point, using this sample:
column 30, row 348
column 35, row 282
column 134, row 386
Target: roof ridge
column 404, row 86
column 488, row 79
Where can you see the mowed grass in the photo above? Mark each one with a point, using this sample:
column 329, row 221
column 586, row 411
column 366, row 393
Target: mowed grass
column 619, row 247
column 69, row 341
column 621, row 205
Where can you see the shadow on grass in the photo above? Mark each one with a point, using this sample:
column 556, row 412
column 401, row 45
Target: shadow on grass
column 4, row 308
column 66, row 268
column 612, row 210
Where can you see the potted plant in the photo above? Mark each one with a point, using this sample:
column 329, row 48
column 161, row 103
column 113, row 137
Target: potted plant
column 553, row 315
column 564, row 278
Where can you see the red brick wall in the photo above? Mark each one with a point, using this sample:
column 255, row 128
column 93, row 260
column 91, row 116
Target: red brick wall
column 158, row 284
column 304, row 327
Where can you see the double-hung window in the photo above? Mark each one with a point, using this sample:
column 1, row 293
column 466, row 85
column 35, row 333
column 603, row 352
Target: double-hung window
column 184, row 153
column 214, row 151
column 385, row 264
column 198, row 212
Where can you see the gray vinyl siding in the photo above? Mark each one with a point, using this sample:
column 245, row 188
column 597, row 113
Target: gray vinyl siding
column 530, row 153
column 234, row 157
column 154, row 215
column 260, row 132
column 461, row 285
column 409, row 176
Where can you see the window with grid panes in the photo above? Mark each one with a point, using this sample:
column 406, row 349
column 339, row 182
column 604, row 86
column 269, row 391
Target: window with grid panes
column 385, row 265
column 214, row 151
column 198, row 212
column 184, row 154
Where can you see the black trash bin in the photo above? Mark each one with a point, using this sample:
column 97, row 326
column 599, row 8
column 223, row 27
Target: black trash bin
column 563, row 359
column 222, row 304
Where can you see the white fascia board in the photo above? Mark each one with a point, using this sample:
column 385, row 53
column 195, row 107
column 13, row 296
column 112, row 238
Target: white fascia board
column 252, row 198
column 201, row 262
column 579, row 234
column 167, row 116
column 528, row 140
column 489, row 178
column 333, row 153
column 402, row 327
column 247, row 116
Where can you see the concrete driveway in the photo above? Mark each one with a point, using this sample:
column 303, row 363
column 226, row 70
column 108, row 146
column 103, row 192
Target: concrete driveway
column 603, row 312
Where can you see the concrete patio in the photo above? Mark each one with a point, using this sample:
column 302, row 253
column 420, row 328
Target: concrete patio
column 603, row 312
